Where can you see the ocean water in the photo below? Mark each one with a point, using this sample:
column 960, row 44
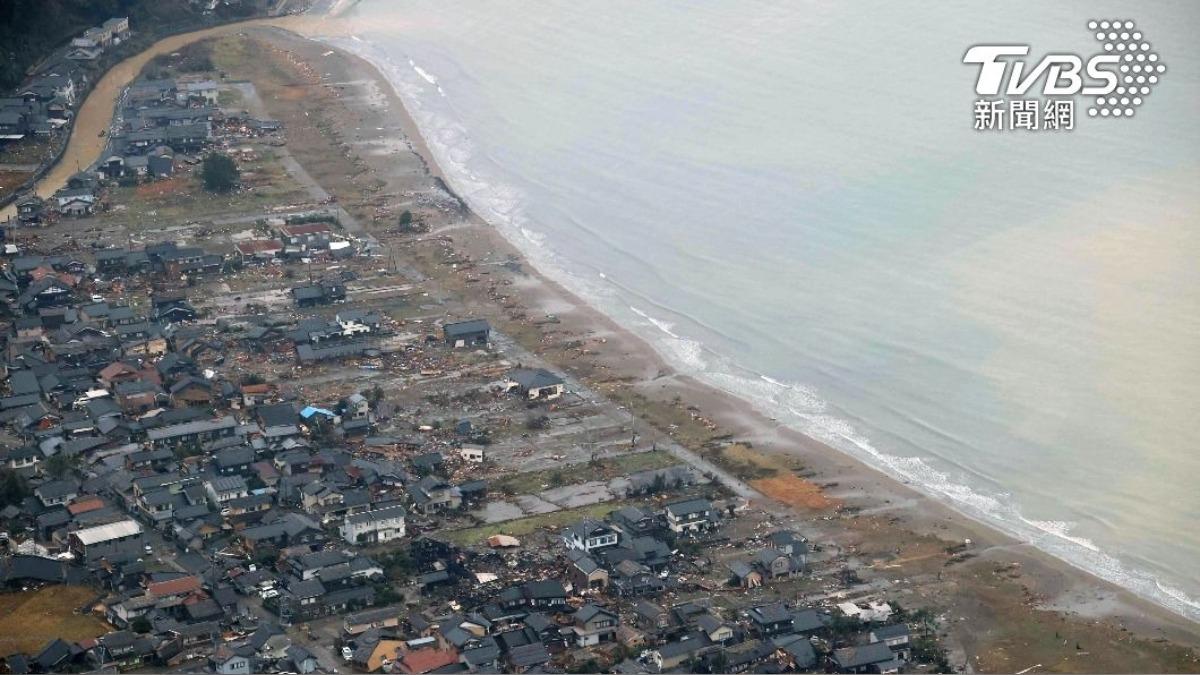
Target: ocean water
column 789, row 199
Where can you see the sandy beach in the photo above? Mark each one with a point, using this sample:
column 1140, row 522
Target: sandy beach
column 1004, row 605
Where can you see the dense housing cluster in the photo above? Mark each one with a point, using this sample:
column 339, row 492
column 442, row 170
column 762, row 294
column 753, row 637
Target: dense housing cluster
column 262, row 447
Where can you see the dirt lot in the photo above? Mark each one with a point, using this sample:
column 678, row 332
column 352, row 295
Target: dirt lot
column 30, row 619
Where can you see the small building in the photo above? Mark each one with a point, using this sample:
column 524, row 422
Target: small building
column 160, row 163
column 30, row 210
column 871, row 658
column 594, row 624
column 586, row 573
column 770, row 619
column 527, row 657
column 589, row 534
column 374, row 527
column 795, row 652
column 472, row 333
column 744, row 575
column 380, row 617
column 673, row 655
column 192, row 432
column 306, row 236
column 690, row 516
column 775, row 563
column 56, row 493
column 790, row 543
column 76, row 202
column 651, row 617
column 117, row 541
column 322, row 293
column 537, row 384
column 226, row 489
column 258, row 250
column 471, row 453
column 544, row 594
column 226, row 661
column 896, row 637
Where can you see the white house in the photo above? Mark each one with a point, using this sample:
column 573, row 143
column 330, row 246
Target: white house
column 593, row 625
column 374, row 527
column 226, row 488
column 895, row 636
column 690, row 516
column 471, row 453
column 588, row 535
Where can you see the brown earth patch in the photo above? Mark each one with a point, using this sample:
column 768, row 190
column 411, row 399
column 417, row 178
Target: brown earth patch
column 795, row 491
column 30, row 619
column 160, row 188
column 11, row 180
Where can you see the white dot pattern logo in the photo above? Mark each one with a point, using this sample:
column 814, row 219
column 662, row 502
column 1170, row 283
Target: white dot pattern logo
column 1119, row 35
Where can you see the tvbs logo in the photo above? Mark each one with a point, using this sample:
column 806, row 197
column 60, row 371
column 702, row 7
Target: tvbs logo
column 1118, row 79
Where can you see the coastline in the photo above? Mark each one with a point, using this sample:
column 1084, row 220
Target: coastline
column 634, row 356
column 989, row 509
column 620, row 358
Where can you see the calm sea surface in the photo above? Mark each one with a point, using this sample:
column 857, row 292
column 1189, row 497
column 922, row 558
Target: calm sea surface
column 789, row 199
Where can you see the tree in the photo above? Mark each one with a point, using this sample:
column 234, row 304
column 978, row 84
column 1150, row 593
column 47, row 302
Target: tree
column 406, row 219
column 141, row 625
column 924, row 618
column 842, row 626
column 399, row 565
column 219, row 173
column 13, row 488
column 58, row 465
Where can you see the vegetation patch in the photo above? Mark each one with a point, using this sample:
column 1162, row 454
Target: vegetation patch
column 794, row 491
column 30, row 619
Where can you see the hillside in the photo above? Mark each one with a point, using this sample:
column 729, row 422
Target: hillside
column 31, row 29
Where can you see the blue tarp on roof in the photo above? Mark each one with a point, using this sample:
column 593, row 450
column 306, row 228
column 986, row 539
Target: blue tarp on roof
column 309, row 411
